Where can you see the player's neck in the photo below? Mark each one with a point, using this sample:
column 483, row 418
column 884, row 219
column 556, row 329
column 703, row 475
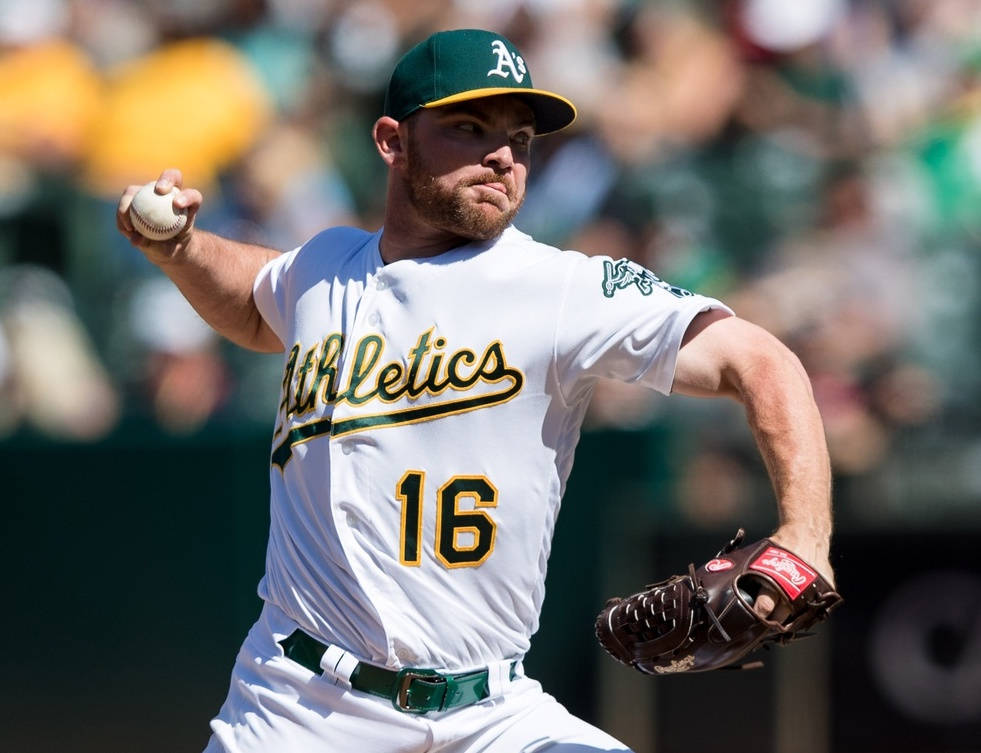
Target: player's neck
column 404, row 237
column 394, row 247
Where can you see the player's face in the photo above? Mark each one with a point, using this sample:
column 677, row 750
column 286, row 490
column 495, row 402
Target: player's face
column 467, row 165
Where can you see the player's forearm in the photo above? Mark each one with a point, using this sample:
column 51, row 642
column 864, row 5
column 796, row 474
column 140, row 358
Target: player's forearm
column 780, row 408
column 216, row 275
column 788, row 429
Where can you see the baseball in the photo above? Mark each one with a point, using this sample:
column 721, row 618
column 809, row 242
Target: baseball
column 153, row 214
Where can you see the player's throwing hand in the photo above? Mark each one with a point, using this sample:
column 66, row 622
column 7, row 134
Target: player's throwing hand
column 186, row 201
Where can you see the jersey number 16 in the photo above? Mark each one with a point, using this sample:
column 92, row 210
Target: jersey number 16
column 464, row 538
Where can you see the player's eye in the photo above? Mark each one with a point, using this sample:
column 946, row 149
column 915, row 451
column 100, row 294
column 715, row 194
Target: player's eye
column 522, row 139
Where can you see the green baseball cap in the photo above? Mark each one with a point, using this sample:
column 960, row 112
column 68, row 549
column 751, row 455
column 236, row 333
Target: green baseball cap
column 463, row 64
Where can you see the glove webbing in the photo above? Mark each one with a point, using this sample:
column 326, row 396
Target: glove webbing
column 701, row 597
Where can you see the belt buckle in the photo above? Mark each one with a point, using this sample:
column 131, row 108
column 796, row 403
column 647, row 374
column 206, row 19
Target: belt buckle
column 403, row 679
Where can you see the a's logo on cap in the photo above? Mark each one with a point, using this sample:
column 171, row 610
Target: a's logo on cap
column 514, row 64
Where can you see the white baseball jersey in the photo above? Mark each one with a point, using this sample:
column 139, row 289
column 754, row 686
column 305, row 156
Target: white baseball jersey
column 429, row 413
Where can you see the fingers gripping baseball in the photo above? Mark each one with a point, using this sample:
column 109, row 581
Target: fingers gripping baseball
column 158, row 217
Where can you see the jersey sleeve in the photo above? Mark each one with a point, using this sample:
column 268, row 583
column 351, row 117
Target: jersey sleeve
column 270, row 291
column 620, row 320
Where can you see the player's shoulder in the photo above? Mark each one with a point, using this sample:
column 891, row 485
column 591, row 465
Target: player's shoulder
column 598, row 272
column 339, row 241
column 330, row 249
column 528, row 251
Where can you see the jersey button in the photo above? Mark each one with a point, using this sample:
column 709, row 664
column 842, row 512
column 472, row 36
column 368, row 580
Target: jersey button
column 374, row 319
column 381, row 284
column 347, row 447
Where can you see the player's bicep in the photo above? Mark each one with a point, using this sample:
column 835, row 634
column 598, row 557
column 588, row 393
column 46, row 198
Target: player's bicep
column 708, row 350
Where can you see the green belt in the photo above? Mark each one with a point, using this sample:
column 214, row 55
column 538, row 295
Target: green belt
column 414, row 691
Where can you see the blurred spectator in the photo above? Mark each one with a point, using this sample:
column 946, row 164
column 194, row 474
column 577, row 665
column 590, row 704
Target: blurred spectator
column 51, row 377
column 183, row 377
column 52, row 96
column 289, row 189
column 825, row 294
column 676, row 88
column 195, row 102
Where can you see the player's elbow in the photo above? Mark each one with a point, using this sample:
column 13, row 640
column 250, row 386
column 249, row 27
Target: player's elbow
column 724, row 356
column 264, row 340
column 255, row 335
column 761, row 365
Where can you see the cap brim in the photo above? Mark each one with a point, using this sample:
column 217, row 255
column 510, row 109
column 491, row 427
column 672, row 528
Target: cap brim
column 553, row 112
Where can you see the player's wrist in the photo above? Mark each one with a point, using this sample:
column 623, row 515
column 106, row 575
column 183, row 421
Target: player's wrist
column 809, row 541
column 806, row 532
column 176, row 251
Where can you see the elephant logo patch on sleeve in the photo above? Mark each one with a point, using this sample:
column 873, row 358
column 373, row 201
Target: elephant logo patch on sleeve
column 624, row 273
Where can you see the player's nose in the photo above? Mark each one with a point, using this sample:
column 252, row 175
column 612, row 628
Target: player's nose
column 500, row 157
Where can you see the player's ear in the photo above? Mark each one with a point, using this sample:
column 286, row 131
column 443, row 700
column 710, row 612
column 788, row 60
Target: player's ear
column 388, row 141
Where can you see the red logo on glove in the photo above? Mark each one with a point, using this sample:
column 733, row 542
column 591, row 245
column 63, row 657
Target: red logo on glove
column 790, row 573
column 718, row 565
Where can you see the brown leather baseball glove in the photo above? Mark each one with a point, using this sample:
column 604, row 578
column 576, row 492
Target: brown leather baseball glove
column 705, row 620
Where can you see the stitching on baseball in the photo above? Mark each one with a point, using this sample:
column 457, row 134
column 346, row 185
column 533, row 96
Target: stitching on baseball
column 175, row 225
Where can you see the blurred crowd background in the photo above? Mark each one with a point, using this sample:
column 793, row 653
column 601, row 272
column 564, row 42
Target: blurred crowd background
column 816, row 164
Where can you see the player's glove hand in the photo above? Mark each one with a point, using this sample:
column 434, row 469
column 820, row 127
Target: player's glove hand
column 705, row 619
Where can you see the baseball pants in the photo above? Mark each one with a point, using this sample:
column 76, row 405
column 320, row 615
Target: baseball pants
column 275, row 705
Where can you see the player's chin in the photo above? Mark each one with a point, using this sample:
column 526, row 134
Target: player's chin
column 486, row 222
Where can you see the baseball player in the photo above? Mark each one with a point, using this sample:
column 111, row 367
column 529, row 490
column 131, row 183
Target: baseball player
column 435, row 376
